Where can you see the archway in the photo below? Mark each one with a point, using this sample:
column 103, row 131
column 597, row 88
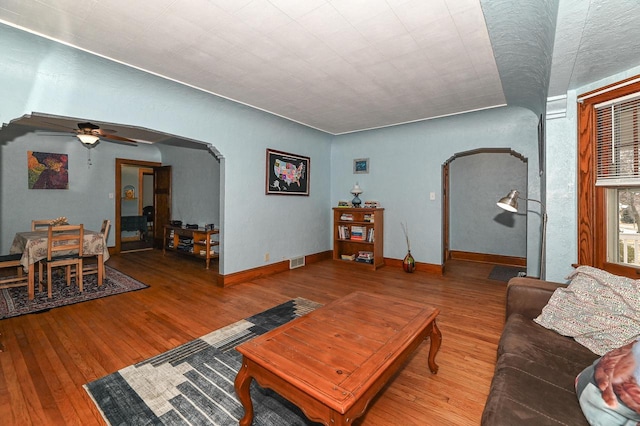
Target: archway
column 474, row 228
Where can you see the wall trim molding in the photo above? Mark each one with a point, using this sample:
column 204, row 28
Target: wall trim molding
column 556, row 107
column 430, row 268
column 273, row 268
column 489, row 258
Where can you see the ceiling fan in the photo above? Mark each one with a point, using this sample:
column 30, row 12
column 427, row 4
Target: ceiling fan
column 89, row 133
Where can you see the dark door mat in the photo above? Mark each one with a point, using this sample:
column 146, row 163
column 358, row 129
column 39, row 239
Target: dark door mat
column 505, row 273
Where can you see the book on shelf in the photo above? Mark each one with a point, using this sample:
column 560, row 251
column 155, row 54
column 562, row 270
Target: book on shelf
column 343, row 232
column 358, row 232
column 346, row 216
column 348, row 256
column 372, row 204
column 365, row 257
column 370, row 235
column 368, row 217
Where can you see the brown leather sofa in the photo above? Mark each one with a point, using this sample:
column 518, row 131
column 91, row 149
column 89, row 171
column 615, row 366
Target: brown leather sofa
column 533, row 383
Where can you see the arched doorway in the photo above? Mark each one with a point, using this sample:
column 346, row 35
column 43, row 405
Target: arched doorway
column 474, row 228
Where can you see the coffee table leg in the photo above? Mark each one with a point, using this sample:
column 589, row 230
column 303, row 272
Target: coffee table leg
column 436, row 340
column 242, row 385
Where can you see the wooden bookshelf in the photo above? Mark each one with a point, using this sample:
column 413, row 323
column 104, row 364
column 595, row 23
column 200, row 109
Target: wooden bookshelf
column 357, row 231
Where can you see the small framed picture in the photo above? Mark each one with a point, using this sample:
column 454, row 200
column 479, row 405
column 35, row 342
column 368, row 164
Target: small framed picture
column 361, row 165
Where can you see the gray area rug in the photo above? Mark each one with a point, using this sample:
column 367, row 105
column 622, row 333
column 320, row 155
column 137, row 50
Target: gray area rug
column 193, row 383
column 15, row 301
column 505, row 273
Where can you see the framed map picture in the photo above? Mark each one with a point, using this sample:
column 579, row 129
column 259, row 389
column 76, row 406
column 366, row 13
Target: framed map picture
column 287, row 174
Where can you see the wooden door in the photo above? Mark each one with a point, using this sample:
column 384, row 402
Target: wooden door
column 162, row 202
column 445, row 215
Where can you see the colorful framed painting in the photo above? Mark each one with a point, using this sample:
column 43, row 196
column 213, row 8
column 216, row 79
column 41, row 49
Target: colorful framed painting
column 287, row 174
column 48, row 170
column 361, row 165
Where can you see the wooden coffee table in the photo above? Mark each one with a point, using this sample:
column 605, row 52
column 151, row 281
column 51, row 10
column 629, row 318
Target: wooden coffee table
column 334, row 360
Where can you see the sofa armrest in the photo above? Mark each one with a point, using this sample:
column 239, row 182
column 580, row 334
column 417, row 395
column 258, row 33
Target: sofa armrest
column 527, row 296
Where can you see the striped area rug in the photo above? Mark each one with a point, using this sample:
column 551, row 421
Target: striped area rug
column 193, row 383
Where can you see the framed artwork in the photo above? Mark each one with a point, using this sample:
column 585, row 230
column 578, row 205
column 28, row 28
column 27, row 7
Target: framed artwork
column 287, row 174
column 47, row 170
column 361, row 165
column 129, row 192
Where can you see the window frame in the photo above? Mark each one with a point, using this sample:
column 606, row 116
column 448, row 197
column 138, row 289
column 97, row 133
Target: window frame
column 592, row 214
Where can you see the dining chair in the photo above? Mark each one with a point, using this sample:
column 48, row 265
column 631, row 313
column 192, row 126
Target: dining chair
column 64, row 248
column 94, row 267
column 41, row 224
column 17, row 280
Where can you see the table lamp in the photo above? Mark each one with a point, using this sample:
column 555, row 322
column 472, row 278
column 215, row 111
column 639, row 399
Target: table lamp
column 355, row 191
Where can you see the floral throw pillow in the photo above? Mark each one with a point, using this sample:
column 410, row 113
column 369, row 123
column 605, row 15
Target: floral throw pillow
column 599, row 310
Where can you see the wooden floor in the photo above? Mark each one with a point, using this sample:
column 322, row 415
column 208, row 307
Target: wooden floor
column 49, row 356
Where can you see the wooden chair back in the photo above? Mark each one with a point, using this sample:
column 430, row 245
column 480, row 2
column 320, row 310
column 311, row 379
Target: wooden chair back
column 65, row 240
column 104, row 230
column 42, row 224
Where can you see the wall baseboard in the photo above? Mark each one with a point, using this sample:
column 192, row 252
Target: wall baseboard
column 488, row 258
column 263, row 271
column 421, row 267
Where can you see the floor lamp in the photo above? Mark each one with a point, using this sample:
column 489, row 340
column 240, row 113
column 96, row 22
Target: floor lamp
column 510, row 204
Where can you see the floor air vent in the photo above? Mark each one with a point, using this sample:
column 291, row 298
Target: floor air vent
column 296, row 262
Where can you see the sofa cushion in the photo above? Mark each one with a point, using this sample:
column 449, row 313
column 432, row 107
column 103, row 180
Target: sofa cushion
column 524, row 392
column 525, row 338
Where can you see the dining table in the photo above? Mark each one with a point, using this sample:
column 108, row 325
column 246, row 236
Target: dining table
column 33, row 246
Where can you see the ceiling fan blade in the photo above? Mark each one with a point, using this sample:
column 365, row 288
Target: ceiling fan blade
column 60, row 126
column 118, row 138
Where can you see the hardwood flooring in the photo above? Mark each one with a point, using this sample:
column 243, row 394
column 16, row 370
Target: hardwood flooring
column 49, row 356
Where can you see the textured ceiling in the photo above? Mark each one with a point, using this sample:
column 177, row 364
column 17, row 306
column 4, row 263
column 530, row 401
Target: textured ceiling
column 347, row 65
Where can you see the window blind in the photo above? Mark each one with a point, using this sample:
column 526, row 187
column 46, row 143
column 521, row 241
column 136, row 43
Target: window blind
column 617, row 141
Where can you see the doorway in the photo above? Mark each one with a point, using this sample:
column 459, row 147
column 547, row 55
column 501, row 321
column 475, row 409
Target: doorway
column 136, row 219
column 474, row 228
column 142, row 205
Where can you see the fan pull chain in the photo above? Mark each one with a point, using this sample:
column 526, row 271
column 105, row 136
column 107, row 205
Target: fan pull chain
column 88, row 159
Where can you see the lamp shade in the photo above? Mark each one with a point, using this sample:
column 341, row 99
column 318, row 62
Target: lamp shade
column 510, row 202
column 356, row 189
column 88, row 139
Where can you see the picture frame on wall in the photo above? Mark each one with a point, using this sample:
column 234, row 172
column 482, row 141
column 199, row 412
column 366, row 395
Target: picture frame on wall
column 286, row 173
column 47, row 170
column 360, row 166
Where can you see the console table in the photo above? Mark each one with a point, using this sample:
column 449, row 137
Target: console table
column 196, row 242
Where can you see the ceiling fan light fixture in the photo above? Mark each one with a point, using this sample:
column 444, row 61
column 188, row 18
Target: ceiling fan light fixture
column 88, row 139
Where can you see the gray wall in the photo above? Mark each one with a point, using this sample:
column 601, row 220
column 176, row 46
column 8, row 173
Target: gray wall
column 195, row 196
column 477, row 225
